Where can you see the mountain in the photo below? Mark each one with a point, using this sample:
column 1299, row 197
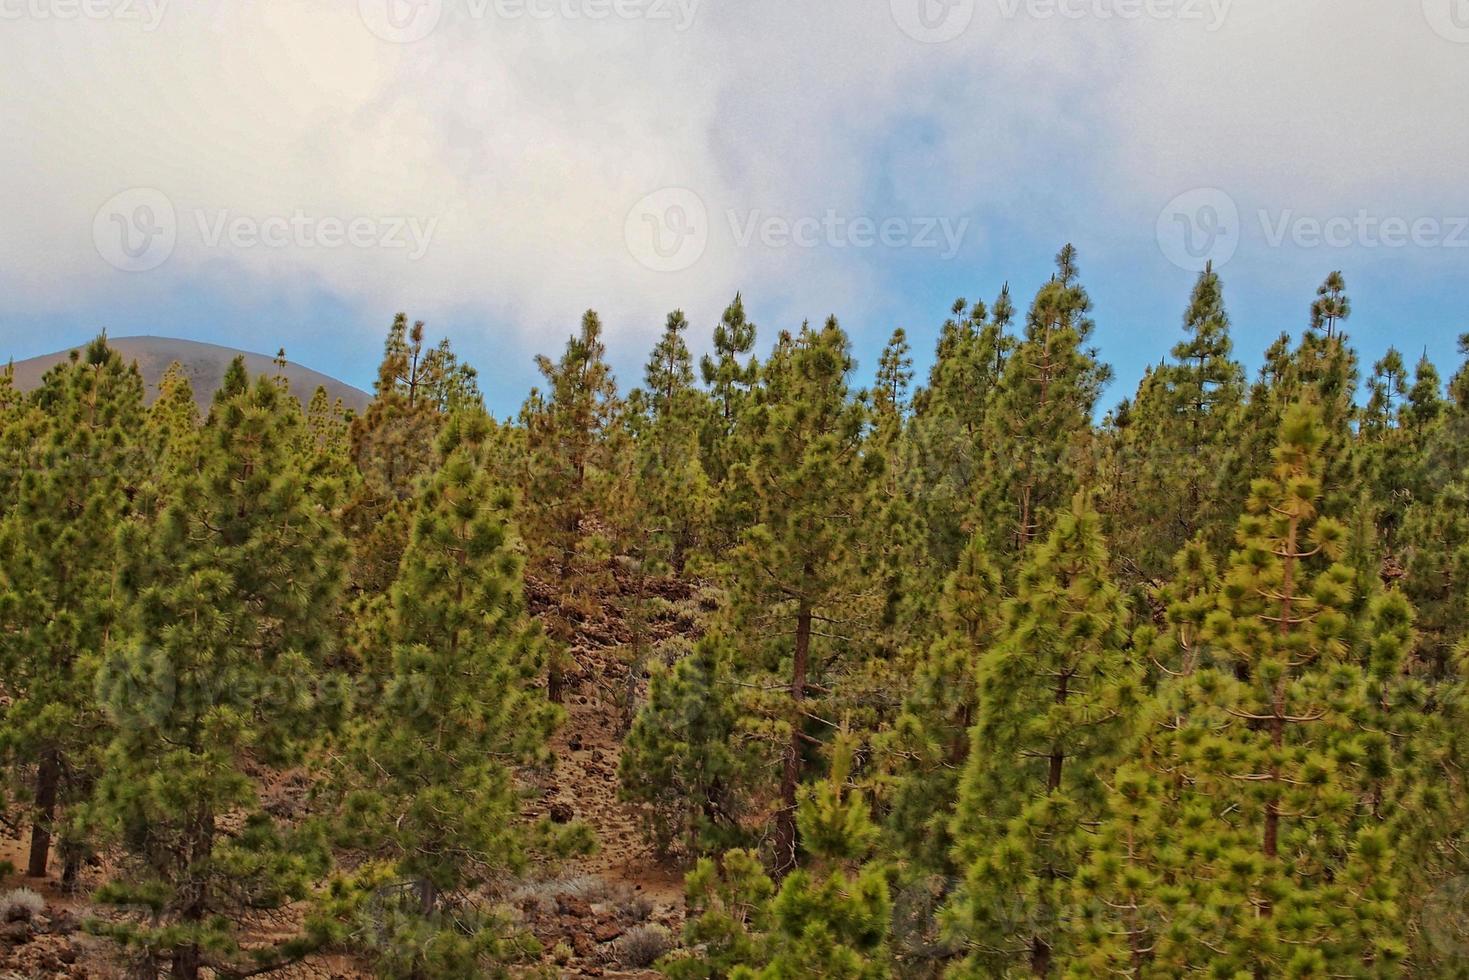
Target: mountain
column 204, row 364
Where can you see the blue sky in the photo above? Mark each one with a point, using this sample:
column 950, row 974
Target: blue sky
column 292, row 174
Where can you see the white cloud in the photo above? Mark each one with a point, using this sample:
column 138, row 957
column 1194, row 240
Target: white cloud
column 528, row 140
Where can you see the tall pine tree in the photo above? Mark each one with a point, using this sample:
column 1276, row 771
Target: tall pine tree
column 1057, row 695
column 231, row 599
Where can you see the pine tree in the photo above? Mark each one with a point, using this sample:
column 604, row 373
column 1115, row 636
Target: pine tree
column 18, row 418
column 231, row 599
column 831, row 922
column 434, row 794
column 1326, row 371
column 567, row 431
column 1431, row 825
column 392, row 442
column 1436, row 554
column 1180, row 429
column 656, row 498
column 173, row 422
column 1434, row 540
column 681, row 763
column 1391, row 453
column 901, row 556
column 928, row 745
column 950, row 425
column 1254, row 845
column 326, row 425
column 1039, row 422
column 729, row 373
column 671, row 483
column 1056, row 698
column 894, row 375
column 1332, row 305
column 392, row 445
column 57, row 606
column 793, row 569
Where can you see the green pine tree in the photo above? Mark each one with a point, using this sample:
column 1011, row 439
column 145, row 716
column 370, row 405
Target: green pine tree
column 568, row 458
column 1246, row 838
column 392, row 445
column 830, row 922
column 433, row 791
column 1180, row 433
column 231, row 597
column 928, row 745
column 729, row 373
column 793, row 571
column 1057, row 695
column 950, row 425
column 58, row 606
column 1039, row 424
column 681, row 763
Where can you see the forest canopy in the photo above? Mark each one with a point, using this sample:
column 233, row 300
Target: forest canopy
column 913, row 677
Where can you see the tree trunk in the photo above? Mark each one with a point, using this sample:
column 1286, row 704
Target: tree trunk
column 71, row 869
column 785, row 821
column 188, row 960
column 48, row 779
column 1058, row 757
column 1040, row 957
column 1270, row 838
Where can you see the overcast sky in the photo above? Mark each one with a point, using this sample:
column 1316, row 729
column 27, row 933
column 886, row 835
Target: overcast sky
column 293, row 172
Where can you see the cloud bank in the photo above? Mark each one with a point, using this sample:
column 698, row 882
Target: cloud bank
column 492, row 154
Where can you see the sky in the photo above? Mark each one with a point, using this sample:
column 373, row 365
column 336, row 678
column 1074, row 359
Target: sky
column 294, row 172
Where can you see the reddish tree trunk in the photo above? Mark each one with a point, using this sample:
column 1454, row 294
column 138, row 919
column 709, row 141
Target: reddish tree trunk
column 48, row 779
column 785, row 821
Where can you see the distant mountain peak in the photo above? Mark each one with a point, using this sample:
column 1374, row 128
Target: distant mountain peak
column 203, row 364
